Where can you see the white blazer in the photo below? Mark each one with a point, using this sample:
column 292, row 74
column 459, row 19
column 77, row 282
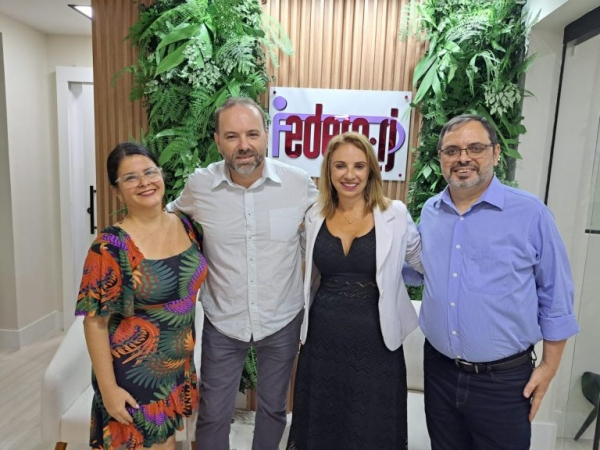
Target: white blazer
column 397, row 240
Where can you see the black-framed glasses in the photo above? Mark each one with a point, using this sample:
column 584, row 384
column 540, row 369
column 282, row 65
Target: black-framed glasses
column 130, row 180
column 472, row 150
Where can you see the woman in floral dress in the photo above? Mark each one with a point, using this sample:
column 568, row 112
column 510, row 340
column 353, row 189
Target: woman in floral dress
column 138, row 294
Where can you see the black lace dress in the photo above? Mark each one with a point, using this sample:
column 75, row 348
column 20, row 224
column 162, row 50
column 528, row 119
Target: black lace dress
column 350, row 391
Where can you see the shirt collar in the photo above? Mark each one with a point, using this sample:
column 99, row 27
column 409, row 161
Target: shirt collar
column 222, row 175
column 493, row 195
column 270, row 172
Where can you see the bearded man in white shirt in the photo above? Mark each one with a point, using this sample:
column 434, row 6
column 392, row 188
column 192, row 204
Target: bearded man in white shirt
column 250, row 208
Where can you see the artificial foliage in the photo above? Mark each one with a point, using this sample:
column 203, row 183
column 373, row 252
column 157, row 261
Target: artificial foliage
column 193, row 55
column 475, row 63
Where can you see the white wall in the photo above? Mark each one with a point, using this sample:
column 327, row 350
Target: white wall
column 8, row 307
column 69, row 51
column 32, row 178
column 544, row 7
column 29, row 58
column 555, row 14
column 542, row 79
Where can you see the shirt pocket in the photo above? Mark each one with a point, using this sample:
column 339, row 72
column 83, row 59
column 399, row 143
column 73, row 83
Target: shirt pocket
column 491, row 273
column 285, row 223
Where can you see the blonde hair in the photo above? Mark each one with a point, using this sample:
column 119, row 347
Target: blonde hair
column 328, row 197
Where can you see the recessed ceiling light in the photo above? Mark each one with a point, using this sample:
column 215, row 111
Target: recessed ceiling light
column 85, row 10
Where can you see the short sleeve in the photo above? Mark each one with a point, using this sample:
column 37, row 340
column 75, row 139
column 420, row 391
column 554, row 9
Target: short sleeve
column 106, row 285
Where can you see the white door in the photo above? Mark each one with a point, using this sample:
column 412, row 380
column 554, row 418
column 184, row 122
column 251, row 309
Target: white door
column 75, row 101
column 83, row 169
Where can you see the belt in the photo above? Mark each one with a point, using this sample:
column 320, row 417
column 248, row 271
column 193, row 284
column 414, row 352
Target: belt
column 496, row 366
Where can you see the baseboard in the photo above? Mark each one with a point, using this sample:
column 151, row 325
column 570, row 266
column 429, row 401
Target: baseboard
column 543, row 436
column 16, row 339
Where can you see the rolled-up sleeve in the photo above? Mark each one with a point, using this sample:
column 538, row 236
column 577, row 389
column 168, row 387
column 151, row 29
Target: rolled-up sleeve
column 554, row 282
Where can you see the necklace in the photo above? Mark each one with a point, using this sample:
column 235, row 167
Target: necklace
column 349, row 221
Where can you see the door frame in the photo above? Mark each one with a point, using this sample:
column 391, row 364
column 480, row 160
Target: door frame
column 64, row 77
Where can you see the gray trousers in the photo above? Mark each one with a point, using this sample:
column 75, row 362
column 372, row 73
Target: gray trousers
column 220, row 372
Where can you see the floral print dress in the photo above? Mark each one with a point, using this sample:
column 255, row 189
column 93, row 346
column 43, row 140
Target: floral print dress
column 151, row 304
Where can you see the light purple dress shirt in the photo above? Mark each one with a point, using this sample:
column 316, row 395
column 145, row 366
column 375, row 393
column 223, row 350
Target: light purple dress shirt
column 497, row 277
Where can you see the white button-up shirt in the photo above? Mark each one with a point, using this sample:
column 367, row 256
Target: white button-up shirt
column 252, row 246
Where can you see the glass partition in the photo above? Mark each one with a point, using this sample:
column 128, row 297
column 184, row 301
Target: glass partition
column 581, row 429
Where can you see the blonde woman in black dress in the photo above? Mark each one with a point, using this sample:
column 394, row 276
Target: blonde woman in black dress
column 350, row 390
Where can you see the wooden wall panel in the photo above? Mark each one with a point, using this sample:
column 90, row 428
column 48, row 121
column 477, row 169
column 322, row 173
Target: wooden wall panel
column 117, row 118
column 348, row 44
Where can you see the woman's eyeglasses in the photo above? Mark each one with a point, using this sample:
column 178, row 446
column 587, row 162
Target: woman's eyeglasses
column 129, row 180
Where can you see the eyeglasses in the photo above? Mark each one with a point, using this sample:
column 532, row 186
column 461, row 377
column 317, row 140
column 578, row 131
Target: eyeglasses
column 131, row 180
column 471, row 149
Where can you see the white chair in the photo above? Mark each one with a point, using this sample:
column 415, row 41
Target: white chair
column 67, row 390
column 418, row 438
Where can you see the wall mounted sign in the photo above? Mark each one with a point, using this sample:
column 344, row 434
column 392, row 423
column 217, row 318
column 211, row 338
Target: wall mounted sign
column 303, row 121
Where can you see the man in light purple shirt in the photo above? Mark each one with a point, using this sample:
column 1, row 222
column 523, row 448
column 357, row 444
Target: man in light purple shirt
column 497, row 281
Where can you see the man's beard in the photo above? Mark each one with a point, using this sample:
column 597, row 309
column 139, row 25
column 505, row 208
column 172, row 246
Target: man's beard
column 246, row 168
column 483, row 175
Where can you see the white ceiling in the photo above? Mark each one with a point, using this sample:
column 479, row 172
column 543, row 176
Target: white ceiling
column 49, row 16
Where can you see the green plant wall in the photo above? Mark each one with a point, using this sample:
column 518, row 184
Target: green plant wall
column 193, row 55
column 475, row 63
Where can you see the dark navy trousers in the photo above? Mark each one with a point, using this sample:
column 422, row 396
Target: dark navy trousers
column 475, row 411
